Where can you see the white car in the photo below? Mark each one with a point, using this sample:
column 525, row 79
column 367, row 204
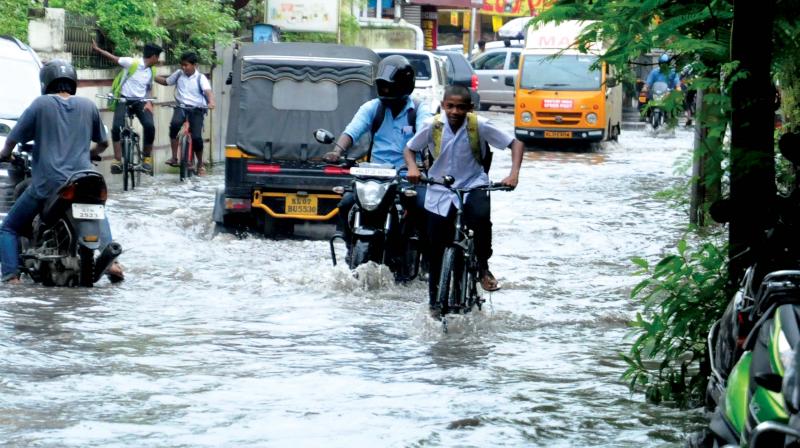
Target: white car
column 431, row 77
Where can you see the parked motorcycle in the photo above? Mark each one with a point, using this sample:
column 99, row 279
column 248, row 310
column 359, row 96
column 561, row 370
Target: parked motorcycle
column 380, row 229
column 752, row 347
column 59, row 249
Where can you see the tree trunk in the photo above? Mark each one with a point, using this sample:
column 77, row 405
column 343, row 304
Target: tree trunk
column 752, row 147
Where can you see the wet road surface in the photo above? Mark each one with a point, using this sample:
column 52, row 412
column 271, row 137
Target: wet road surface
column 218, row 341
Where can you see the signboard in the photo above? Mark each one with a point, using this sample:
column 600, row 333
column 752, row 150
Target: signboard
column 553, row 103
column 514, row 7
column 304, row 15
column 429, row 27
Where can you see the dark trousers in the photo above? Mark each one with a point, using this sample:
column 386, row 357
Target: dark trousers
column 196, row 117
column 441, row 233
column 145, row 118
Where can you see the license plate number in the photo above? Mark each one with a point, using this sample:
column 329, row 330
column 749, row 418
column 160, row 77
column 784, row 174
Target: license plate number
column 301, row 205
column 557, row 134
column 88, row 211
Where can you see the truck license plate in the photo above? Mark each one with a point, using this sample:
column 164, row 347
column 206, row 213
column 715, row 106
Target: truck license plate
column 301, row 205
column 88, row 211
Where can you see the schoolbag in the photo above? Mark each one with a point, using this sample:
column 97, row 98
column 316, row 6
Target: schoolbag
column 479, row 147
column 121, row 78
column 380, row 115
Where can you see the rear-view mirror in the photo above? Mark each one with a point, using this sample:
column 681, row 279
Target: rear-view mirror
column 611, row 81
column 721, row 211
column 323, row 136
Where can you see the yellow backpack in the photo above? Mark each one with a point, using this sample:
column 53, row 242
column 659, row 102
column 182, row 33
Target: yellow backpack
column 480, row 148
column 119, row 81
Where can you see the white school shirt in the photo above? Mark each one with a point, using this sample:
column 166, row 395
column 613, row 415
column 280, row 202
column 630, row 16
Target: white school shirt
column 186, row 90
column 456, row 159
column 136, row 85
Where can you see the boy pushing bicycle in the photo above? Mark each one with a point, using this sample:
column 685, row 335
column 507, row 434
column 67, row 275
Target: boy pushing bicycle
column 193, row 93
column 457, row 149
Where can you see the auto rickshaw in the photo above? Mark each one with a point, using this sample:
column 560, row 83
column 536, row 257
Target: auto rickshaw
column 281, row 92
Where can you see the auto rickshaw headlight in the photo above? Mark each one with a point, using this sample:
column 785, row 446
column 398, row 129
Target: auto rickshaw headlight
column 591, row 118
column 526, row 117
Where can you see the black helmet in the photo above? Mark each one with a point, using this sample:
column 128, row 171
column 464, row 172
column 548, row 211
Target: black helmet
column 395, row 78
column 58, row 69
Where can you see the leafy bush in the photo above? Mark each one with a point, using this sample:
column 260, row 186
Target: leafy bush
column 14, row 18
column 684, row 294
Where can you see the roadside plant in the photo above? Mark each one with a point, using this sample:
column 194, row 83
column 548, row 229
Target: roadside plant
column 682, row 296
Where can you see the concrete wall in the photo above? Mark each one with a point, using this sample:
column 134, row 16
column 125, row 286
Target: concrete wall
column 377, row 38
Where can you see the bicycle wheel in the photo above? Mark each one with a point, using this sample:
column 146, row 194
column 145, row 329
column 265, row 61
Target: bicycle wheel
column 126, row 161
column 137, row 159
column 450, row 293
column 185, row 153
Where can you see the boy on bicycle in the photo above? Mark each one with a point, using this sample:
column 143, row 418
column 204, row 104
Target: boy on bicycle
column 193, row 91
column 448, row 142
column 137, row 80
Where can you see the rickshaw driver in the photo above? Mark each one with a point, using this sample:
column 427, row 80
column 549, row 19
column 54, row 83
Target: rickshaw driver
column 395, row 82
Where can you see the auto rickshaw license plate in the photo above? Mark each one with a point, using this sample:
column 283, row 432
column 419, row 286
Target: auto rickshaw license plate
column 301, row 205
column 557, row 134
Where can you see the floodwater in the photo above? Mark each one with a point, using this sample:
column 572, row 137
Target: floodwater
column 218, row 341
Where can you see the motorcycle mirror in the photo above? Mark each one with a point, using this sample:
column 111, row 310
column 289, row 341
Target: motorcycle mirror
column 448, row 180
column 721, row 211
column 611, row 81
column 789, row 144
column 770, row 381
column 323, row 136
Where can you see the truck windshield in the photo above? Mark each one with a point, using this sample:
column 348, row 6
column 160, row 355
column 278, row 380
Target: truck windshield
column 565, row 72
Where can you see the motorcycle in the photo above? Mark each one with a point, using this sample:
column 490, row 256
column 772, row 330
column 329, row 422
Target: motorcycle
column 59, row 249
column 656, row 113
column 752, row 347
column 381, row 230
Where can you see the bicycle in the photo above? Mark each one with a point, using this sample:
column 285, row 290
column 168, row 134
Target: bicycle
column 457, row 291
column 186, row 165
column 132, row 156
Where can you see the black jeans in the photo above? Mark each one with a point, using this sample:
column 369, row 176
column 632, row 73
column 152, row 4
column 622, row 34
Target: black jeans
column 145, row 118
column 441, row 232
column 196, row 117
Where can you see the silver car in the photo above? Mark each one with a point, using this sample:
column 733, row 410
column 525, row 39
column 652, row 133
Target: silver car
column 493, row 67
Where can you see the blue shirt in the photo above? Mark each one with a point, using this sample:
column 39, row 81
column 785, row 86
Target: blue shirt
column 392, row 136
column 655, row 76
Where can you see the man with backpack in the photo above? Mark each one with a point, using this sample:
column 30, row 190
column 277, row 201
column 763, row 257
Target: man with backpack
column 193, row 91
column 457, row 145
column 134, row 82
column 392, row 119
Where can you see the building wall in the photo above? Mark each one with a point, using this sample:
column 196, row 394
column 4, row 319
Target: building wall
column 377, row 38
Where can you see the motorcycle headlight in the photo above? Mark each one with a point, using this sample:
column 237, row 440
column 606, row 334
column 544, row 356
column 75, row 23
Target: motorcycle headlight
column 526, row 117
column 591, row 118
column 370, row 193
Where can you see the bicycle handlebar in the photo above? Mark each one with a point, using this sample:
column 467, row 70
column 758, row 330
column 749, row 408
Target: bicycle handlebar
column 182, row 106
column 447, row 183
column 123, row 99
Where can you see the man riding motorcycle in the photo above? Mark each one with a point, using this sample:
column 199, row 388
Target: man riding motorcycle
column 61, row 126
column 663, row 73
column 393, row 118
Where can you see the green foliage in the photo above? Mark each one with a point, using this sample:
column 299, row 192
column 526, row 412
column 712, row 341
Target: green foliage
column 180, row 25
column 682, row 296
column 14, row 18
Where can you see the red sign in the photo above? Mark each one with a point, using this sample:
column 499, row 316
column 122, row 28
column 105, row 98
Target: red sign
column 429, row 27
column 555, row 103
column 514, row 7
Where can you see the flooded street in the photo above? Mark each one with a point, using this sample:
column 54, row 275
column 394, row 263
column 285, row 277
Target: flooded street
column 218, row 341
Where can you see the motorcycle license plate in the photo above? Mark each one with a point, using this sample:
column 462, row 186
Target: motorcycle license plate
column 88, row 211
column 3, row 173
column 557, row 134
column 373, row 172
column 301, row 205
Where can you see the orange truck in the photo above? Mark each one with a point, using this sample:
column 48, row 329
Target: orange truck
column 561, row 93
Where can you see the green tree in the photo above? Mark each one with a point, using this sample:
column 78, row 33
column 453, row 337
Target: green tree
column 14, row 18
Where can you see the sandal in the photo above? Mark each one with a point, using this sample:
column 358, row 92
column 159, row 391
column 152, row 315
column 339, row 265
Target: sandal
column 172, row 162
column 488, row 282
column 201, row 171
